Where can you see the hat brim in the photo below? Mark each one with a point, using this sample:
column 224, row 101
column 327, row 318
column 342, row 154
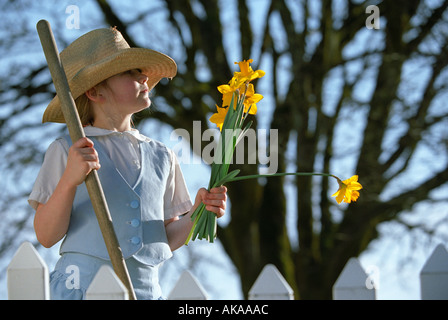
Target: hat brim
column 153, row 64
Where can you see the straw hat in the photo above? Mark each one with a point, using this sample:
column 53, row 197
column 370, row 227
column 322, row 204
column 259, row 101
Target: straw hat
column 101, row 54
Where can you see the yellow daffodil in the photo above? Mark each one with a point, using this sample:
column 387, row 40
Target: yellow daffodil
column 218, row 118
column 247, row 74
column 239, row 83
column 348, row 190
column 250, row 103
column 227, row 91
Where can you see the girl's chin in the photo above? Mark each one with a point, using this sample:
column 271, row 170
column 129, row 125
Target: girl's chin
column 145, row 104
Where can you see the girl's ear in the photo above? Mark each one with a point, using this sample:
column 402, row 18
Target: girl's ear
column 94, row 95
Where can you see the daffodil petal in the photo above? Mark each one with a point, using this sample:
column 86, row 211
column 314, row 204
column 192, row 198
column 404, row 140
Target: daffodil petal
column 339, row 197
column 225, row 88
column 355, row 186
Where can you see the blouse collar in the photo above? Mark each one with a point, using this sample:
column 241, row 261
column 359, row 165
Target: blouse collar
column 94, row 131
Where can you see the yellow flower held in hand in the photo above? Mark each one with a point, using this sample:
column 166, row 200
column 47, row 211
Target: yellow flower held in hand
column 227, row 91
column 241, row 86
column 348, row 190
column 247, row 73
column 219, row 117
column 251, row 100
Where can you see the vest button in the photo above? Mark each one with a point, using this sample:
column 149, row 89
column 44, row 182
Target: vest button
column 135, row 223
column 135, row 204
column 135, row 240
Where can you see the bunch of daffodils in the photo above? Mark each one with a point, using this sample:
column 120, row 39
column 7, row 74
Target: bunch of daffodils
column 238, row 101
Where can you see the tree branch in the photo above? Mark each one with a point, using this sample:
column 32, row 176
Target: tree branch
column 114, row 21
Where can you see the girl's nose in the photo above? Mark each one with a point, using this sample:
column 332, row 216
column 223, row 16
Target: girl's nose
column 143, row 78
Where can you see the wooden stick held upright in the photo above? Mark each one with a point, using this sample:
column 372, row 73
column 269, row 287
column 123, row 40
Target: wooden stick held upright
column 76, row 132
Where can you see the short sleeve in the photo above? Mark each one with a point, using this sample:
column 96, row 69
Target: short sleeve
column 50, row 173
column 177, row 198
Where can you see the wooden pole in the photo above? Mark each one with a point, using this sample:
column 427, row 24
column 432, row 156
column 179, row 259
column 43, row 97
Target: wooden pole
column 76, row 132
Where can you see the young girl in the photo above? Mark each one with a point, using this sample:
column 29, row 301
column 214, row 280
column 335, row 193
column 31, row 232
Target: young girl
column 141, row 178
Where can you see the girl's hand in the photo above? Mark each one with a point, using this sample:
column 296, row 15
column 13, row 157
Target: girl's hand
column 177, row 229
column 215, row 200
column 82, row 158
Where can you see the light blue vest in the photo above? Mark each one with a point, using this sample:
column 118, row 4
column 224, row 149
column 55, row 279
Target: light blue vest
column 137, row 211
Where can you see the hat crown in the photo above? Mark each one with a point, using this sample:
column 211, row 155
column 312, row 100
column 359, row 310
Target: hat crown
column 91, row 48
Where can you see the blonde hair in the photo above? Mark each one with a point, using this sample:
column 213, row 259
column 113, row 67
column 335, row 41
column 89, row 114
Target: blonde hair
column 84, row 110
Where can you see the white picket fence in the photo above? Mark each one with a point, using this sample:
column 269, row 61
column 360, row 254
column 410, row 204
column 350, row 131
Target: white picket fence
column 28, row 279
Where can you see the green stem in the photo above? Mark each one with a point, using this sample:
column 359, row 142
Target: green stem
column 204, row 225
column 196, row 217
column 281, row 175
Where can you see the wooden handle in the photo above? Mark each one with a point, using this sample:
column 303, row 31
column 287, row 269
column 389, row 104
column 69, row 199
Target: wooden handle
column 76, row 132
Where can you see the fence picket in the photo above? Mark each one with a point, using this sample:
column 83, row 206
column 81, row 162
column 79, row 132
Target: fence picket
column 28, row 279
column 106, row 286
column 27, row 275
column 434, row 276
column 352, row 283
column 270, row 285
column 187, row 288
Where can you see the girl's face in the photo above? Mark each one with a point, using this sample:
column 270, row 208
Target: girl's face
column 127, row 92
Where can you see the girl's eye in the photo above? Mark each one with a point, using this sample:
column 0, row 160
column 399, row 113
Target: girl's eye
column 133, row 71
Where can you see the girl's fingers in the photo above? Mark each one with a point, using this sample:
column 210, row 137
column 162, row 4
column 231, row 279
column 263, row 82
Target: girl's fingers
column 215, row 203
column 83, row 143
column 221, row 189
column 216, row 210
column 89, row 154
column 218, row 193
column 215, row 200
